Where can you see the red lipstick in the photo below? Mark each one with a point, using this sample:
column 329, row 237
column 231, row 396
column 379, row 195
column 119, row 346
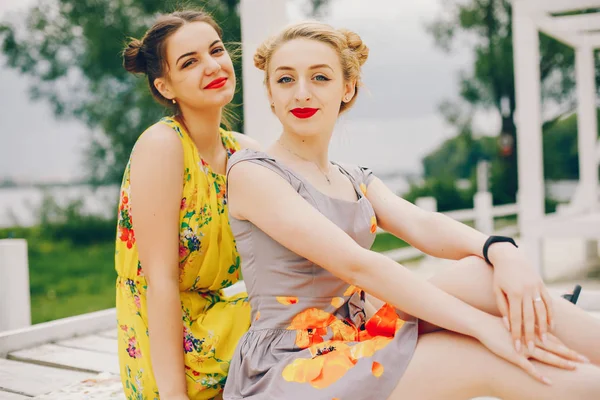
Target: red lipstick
column 216, row 84
column 304, row 112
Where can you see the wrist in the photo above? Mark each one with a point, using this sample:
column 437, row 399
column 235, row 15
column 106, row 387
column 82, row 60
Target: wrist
column 496, row 247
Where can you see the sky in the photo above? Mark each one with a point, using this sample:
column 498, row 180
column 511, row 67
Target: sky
column 393, row 125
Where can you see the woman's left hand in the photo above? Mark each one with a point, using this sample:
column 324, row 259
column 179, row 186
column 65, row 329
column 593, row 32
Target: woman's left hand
column 521, row 295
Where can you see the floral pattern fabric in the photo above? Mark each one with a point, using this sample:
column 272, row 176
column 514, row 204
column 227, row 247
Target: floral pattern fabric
column 212, row 323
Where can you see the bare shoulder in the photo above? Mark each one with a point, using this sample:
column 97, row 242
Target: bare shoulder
column 159, row 138
column 246, row 142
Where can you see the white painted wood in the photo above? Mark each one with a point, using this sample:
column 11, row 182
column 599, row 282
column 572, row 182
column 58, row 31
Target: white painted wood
column 57, row 330
column 92, row 343
column 427, row 203
column 558, row 6
column 529, row 127
column 587, row 127
column 505, row 210
column 484, row 219
column 257, row 26
column 68, row 358
column 590, row 39
column 576, row 23
column 12, row 396
column 15, row 304
column 100, row 387
column 111, row 333
column 33, row 380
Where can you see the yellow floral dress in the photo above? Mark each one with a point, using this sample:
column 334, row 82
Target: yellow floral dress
column 208, row 262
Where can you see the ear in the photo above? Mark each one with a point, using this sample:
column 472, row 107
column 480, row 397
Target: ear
column 163, row 88
column 349, row 91
column 270, row 96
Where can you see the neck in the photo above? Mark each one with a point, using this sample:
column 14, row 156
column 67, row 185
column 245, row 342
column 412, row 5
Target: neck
column 203, row 128
column 314, row 149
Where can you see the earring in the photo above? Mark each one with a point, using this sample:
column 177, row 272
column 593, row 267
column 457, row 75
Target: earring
column 174, row 102
column 273, row 105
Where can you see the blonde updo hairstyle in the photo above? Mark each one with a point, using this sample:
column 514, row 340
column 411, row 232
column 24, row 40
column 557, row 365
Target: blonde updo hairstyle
column 352, row 51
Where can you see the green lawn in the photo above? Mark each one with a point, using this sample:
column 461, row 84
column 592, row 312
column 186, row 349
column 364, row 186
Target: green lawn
column 69, row 280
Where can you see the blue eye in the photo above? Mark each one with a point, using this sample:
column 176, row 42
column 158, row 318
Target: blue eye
column 218, row 50
column 285, row 79
column 322, row 78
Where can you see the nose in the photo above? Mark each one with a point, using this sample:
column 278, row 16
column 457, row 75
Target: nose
column 212, row 66
column 302, row 92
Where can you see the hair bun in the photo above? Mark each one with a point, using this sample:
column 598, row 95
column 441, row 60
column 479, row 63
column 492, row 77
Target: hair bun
column 261, row 55
column 133, row 58
column 356, row 44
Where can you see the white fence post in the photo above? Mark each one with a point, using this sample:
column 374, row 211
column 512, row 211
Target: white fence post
column 15, row 303
column 484, row 219
column 427, row 203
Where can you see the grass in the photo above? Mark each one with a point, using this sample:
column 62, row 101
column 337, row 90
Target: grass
column 67, row 280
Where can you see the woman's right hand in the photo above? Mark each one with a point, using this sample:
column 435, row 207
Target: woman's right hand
column 493, row 335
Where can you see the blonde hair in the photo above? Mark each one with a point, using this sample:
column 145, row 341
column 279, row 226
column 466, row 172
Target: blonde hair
column 352, row 51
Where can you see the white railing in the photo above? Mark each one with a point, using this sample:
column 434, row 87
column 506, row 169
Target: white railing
column 482, row 215
column 15, row 305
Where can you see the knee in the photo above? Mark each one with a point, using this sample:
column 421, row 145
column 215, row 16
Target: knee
column 588, row 381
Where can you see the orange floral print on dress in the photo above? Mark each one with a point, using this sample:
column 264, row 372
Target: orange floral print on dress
column 310, row 326
column 377, row 369
column 287, row 300
column 373, row 224
column 330, row 361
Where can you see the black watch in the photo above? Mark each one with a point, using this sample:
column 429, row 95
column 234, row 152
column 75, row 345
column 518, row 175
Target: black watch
column 495, row 239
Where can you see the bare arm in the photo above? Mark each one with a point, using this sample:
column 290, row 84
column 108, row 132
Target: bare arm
column 431, row 232
column 267, row 200
column 156, row 189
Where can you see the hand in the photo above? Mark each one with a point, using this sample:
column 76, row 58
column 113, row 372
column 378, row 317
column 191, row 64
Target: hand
column 492, row 335
column 521, row 296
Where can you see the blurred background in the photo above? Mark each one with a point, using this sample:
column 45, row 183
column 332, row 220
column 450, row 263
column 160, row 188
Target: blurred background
column 439, row 99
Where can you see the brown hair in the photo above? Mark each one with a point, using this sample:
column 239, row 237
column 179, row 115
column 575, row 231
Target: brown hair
column 352, row 51
column 148, row 56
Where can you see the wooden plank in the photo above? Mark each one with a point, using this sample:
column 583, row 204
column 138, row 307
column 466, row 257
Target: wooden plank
column 32, row 380
column 68, row 358
column 101, row 387
column 59, row 329
column 92, row 343
column 12, row 396
column 111, row 333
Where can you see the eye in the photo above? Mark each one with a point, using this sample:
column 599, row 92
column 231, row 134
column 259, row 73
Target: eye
column 188, row 63
column 217, row 50
column 284, row 79
column 321, row 78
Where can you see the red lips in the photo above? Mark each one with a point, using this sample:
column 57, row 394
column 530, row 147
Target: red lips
column 304, row 112
column 216, row 84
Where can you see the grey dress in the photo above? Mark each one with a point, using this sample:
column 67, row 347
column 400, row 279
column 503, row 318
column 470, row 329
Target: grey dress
column 309, row 337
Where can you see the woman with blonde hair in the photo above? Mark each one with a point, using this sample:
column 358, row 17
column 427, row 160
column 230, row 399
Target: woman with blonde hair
column 304, row 226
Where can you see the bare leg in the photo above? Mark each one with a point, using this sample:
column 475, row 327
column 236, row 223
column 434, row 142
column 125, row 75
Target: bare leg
column 471, row 281
column 450, row 366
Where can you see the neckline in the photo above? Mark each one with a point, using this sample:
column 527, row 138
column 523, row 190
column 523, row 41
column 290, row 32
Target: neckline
column 359, row 194
column 228, row 151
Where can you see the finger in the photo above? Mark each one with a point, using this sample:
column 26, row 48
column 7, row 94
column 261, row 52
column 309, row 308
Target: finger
column 541, row 317
column 502, row 306
column 547, row 299
column 515, row 308
column 552, row 359
column 554, row 345
column 529, row 322
column 528, row 366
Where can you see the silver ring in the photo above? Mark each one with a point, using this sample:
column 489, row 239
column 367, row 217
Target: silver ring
column 537, row 299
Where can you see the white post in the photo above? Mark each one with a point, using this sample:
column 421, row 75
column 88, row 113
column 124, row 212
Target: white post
column 15, row 306
column 529, row 129
column 484, row 218
column 427, row 203
column 587, row 127
column 259, row 20
column 482, row 176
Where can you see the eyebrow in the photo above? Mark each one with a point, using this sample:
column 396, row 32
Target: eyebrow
column 191, row 53
column 317, row 66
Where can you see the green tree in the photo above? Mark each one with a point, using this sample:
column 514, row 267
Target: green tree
column 486, row 27
column 71, row 50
